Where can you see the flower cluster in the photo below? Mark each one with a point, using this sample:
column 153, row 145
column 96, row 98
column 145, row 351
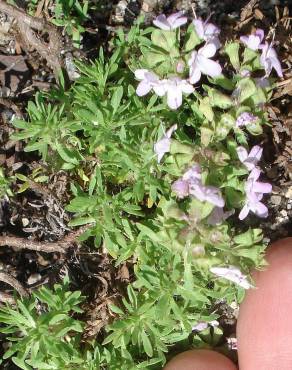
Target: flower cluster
column 191, row 184
column 199, row 61
column 269, row 58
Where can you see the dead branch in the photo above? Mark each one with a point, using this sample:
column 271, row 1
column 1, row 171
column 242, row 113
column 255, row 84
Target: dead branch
column 50, row 51
column 8, row 279
column 47, row 247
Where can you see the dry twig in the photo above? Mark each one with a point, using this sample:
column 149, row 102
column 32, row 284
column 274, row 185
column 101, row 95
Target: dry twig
column 8, row 279
column 47, row 247
column 50, row 51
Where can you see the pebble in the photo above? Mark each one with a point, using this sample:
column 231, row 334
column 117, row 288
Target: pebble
column 276, row 199
column 34, row 278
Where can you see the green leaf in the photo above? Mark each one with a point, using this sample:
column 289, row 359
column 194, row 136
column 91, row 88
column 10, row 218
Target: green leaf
column 66, row 154
column 164, row 39
column 217, row 99
column 116, row 98
column 116, row 309
column 192, row 39
column 206, row 109
column 232, row 50
column 247, row 88
column 110, row 245
column 146, row 344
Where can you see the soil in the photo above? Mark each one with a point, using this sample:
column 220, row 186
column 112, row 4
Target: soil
column 38, row 213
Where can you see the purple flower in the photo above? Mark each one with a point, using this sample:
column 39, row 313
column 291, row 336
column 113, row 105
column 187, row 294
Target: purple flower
column 207, row 31
column 217, row 216
column 253, row 41
column 174, row 88
column 193, row 174
column 233, row 274
column 269, row 60
column 262, row 82
column 254, row 194
column 244, row 73
column 180, row 66
column 210, row 194
column 244, row 119
column 181, row 188
column 191, row 184
column 170, row 23
column 251, row 159
column 163, row 145
column 148, row 81
column 200, row 63
column 203, row 325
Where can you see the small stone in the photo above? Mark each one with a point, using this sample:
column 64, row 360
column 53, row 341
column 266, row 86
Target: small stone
column 25, row 221
column 288, row 193
column 34, row 278
column 276, row 199
column 284, row 213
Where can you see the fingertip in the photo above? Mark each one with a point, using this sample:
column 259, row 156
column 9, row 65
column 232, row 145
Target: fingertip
column 264, row 328
column 200, row 359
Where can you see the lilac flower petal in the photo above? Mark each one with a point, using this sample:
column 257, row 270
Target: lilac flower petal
column 262, row 187
column 199, row 27
column 211, row 30
column 256, row 152
column 254, row 40
column 255, row 174
column 193, row 173
column 210, row 194
column 162, row 146
column 244, row 212
column 260, row 33
column 179, row 22
column 174, row 17
column 161, row 22
column 208, row 50
column 209, row 67
column 140, row 73
column 143, row 88
column 195, row 75
column 171, row 130
column 186, row 87
column 160, row 88
column 245, row 119
column 233, row 274
column 242, row 153
column 244, row 39
column 180, row 188
column 174, row 98
column 217, row 216
column 260, row 210
column 200, row 326
column 269, row 60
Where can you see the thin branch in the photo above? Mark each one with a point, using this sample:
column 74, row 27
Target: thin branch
column 50, row 51
column 47, row 247
column 8, row 279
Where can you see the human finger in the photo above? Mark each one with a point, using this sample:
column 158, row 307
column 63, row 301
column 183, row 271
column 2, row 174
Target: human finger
column 200, row 359
column 264, row 328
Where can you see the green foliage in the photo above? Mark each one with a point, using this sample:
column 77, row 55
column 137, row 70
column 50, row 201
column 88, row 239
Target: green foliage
column 69, row 14
column 44, row 335
column 103, row 134
column 5, row 185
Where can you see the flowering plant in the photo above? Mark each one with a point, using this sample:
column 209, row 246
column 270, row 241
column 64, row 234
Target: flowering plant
column 157, row 140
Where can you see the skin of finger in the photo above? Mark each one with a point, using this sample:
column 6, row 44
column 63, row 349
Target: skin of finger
column 264, row 328
column 200, row 359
